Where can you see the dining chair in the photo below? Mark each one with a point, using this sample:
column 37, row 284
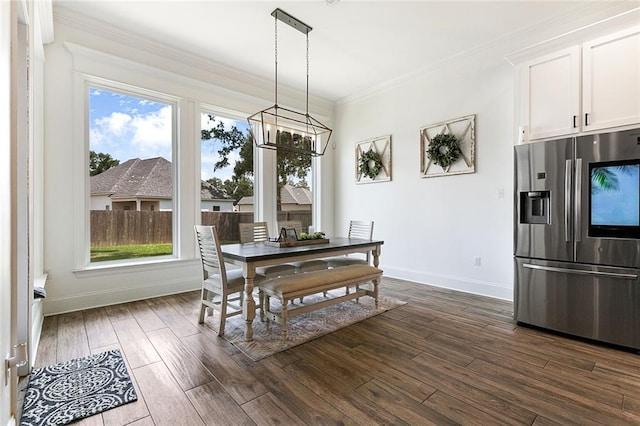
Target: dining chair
column 357, row 229
column 305, row 265
column 255, row 232
column 221, row 289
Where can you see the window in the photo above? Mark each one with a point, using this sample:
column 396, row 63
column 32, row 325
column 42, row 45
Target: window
column 226, row 164
column 294, row 195
column 131, row 141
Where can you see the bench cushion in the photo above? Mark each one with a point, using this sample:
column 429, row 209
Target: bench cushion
column 318, row 280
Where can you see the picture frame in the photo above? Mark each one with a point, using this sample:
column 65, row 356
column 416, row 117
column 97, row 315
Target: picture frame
column 464, row 129
column 288, row 234
column 373, row 160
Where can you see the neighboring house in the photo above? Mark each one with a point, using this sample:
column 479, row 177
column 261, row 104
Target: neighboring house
column 245, row 204
column 147, row 185
column 291, row 199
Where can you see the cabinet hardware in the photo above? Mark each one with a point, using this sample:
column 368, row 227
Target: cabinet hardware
column 575, row 117
column 586, row 118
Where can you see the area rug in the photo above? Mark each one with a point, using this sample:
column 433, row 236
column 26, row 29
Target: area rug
column 64, row 392
column 267, row 339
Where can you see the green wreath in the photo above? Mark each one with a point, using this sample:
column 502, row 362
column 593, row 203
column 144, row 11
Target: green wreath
column 444, row 150
column 370, row 163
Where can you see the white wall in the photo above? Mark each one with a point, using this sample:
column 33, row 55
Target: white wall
column 434, row 227
column 225, row 206
column 88, row 48
column 100, row 202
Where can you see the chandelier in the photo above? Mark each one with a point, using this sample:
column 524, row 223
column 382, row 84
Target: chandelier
column 280, row 128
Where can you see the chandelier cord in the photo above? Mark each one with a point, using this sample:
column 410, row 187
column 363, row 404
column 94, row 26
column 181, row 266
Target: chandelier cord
column 307, row 73
column 276, row 56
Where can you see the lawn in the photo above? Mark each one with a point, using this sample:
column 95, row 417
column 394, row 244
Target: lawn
column 101, row 254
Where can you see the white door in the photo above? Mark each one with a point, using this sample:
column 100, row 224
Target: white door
column 9, row 17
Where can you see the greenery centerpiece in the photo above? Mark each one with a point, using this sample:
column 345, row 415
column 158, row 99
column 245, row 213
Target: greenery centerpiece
column 311, row 236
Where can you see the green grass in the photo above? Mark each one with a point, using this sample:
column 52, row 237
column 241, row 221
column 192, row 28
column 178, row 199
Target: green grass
column 102, row 254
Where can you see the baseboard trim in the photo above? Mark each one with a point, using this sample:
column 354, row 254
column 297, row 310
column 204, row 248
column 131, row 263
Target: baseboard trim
column 483, row 288
column 88, row 300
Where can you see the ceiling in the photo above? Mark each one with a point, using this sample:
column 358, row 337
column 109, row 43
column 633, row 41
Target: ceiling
column 354, row 45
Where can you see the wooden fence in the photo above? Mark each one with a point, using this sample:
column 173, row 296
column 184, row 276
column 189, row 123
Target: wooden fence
column 123, row 227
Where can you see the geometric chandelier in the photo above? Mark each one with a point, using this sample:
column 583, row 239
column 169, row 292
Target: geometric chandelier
column 284, row 129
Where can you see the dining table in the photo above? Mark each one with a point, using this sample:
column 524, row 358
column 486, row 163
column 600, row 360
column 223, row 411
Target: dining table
column 249, row 256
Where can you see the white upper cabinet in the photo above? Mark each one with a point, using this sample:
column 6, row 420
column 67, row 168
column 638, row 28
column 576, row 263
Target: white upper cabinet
column 611, row 80
column 589, row 87
column 552, row 94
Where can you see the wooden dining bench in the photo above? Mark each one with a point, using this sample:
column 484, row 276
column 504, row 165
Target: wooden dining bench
column 290, row 287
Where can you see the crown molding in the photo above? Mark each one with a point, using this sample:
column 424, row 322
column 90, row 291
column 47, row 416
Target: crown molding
column 223, row 73
column 601, row 25
column 599, row 16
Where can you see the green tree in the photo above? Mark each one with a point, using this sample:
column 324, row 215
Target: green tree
column 605, row 179
column 100, row 162
column 238, row 188
column 293, row 168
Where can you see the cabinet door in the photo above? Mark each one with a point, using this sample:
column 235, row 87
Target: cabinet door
column 552, row 98
column 611, row 80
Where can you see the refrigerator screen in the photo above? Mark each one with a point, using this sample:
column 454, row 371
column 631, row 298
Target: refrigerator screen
column 615, row 199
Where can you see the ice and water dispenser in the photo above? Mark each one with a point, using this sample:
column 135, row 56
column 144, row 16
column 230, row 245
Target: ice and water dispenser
column 535, row 207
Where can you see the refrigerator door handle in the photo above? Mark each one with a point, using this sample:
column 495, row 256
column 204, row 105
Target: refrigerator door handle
column 577, row 224
column 567, row 200
column 582, row 272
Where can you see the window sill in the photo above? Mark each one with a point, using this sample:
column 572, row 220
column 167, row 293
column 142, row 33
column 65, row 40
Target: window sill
column 96, row 270
column 40, row 281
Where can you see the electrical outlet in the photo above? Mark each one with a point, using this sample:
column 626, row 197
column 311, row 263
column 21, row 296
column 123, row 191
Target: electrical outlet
column 477, row 261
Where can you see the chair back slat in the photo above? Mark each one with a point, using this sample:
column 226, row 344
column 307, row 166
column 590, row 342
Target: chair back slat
column 253, row 232
column 210, row 253
column 361, row 229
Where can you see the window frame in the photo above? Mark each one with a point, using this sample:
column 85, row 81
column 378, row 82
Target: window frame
column 227, row 114
column 85, row 83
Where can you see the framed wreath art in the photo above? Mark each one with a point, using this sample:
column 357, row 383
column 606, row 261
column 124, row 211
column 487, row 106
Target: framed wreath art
column 448, row 147
column 373, row 160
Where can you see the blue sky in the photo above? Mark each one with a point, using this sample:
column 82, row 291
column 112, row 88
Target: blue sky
column 130, row 127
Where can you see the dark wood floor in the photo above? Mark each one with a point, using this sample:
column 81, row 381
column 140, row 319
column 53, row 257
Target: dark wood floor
column 444, row 358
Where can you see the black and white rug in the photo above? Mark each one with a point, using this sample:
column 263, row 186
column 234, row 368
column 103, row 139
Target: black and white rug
column 64, row 392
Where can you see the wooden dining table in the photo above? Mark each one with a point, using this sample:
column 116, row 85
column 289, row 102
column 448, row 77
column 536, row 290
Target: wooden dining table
column 249, row 256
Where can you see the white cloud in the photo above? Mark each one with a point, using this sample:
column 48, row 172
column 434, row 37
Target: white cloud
column 153, row 132
column 127, row 136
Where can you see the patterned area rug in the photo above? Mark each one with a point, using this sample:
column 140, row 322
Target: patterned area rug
column 64, row 392
column 267, row 337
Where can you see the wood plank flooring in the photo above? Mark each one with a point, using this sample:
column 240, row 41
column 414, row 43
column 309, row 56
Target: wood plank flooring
column 444, row 358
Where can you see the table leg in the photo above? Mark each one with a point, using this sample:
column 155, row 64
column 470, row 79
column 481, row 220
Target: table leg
column 376, row 256
column 248, row 304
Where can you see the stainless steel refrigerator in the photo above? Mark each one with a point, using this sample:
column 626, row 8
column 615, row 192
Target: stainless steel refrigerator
column 577, row 236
